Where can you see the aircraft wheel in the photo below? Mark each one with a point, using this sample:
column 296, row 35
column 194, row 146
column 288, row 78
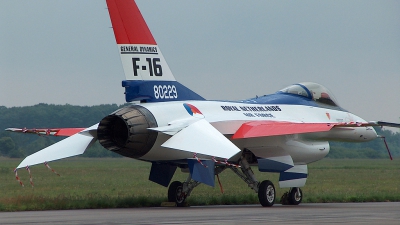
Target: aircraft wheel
column 295, row 196
column 266, row 193
column 175, row 193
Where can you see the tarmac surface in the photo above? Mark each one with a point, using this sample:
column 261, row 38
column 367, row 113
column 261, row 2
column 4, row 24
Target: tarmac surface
column 321, row 213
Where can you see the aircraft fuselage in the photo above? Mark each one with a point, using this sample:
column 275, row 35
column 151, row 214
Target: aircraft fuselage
column 227, row 117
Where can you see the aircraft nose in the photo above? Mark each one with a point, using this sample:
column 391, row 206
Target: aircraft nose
column 369, row 134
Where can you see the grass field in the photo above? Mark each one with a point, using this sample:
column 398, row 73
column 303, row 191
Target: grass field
column 118, row 183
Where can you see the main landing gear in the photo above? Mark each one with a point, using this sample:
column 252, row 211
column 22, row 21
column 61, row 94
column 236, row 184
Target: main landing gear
column 265, row 189
column 266, row 193
column 178, row 192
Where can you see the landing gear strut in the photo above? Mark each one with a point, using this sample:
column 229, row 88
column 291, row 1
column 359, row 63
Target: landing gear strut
column 178, row 191
column 265, row 189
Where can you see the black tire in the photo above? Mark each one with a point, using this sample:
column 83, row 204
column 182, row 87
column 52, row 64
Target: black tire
column 266, row 193
column 294, row 197
column 175, row 193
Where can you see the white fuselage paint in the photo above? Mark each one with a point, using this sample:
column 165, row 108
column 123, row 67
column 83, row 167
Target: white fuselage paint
column 227, row 117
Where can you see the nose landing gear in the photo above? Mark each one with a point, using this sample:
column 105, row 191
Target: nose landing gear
column 293, row 197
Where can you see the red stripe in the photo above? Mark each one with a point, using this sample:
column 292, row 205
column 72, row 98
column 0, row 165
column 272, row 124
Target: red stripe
column 68, row 131
column 272, row 128
column 128, row 23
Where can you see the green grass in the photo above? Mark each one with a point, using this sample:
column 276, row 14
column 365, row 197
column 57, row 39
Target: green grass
column 121, row 183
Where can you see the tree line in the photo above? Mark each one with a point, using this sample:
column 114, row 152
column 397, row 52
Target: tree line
column 16, row 145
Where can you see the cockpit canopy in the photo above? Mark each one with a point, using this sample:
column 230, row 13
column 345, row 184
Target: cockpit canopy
column 314, row 91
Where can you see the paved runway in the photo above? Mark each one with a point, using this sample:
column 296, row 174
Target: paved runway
column 323, row 213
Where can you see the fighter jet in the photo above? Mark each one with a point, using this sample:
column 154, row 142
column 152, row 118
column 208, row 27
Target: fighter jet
column 171, row 126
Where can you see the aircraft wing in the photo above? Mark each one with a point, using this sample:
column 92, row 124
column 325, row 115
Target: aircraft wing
column 48, row 131
column 274, row 128
column 71, row 146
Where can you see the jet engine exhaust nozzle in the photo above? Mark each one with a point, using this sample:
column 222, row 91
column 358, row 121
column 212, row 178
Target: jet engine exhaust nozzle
column 125, row 131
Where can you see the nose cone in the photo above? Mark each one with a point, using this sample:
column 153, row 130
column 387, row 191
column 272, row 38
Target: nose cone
column 363, row 134
column 369, row 134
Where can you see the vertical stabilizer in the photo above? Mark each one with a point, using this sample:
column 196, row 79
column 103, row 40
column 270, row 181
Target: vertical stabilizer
column 140, row 55
column 148, row 77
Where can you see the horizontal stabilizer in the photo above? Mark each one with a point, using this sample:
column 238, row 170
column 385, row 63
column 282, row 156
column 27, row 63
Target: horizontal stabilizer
column 71, row 146
column 202, row 138
column 294, row 177
column 202, row 172
column 48, row 131
column 273, row 128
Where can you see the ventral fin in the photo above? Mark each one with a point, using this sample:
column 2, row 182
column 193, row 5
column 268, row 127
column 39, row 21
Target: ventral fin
column 202, row 172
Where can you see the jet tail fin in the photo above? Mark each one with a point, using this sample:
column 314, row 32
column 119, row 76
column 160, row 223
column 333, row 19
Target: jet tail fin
column 148, row 76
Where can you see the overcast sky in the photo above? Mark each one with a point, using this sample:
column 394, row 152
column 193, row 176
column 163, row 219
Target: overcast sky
column 64, row 52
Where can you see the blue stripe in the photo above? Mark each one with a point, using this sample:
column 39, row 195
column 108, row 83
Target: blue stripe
column 291, row 176
column 267, row 165
column 157, row 91
column 281, row 98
